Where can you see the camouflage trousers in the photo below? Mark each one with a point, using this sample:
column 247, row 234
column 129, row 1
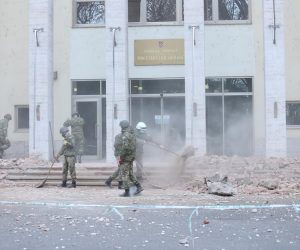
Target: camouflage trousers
column 79, row 143
column 128, row 177
column 117, row 174
column 69, row 165
column 4, row 144
column 139, row 166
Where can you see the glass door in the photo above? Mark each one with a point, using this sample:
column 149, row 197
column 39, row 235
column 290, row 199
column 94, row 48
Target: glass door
column 90, row 109
column 160, row 103
column 229, row 122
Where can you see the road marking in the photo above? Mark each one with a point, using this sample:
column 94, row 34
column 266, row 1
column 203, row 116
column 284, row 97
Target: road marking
column 296, row 207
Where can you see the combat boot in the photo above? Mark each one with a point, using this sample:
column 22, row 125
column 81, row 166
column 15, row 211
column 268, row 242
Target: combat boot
column 74, row 184
column 64, row 184
column 108, row 182
column 138, row 189
column 120, row 184
column 126, row 193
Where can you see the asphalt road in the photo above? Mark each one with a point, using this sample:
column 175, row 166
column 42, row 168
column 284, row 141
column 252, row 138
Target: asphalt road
column 30, row 226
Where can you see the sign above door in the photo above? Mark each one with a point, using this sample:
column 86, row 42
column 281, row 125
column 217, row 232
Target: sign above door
column 159, row 52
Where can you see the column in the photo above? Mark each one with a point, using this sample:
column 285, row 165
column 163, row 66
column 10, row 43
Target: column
column 275, row 100
column 116, row 70
column 194, row 75
column 40, row 77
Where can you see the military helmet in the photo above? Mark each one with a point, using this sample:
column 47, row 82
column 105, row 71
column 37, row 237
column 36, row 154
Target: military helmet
column 7, row 116
column 124, row 124
column 75, row 114
column 63, row 130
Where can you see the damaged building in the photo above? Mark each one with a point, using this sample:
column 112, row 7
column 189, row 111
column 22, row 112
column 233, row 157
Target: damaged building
column 220, row 75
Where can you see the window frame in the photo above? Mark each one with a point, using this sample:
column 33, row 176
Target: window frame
column 17, row 129
column 74, row 16
column 143, row 21
column 292, row 126
column 215, row 16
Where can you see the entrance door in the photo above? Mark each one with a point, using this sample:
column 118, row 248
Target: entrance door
column 91, row 110
column 164, row 117
column 229, row 122
column 160, row 104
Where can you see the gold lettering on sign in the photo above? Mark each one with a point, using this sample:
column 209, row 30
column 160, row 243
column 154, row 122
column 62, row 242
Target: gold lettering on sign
column 159, row 52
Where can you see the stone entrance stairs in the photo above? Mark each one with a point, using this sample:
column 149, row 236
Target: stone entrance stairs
column 88, row 174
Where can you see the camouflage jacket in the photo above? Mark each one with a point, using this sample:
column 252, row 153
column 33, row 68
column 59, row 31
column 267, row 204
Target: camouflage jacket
column 141, row 139
column 68, row 147
column 76, row 124
column 3, row 128
column 125, row 146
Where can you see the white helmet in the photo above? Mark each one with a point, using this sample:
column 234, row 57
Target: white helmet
column 141, row 126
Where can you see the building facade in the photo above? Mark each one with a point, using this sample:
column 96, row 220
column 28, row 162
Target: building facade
column 220, row 75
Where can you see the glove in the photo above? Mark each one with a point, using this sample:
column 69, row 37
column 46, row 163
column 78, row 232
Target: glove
column 120, row 161
column 66, row 142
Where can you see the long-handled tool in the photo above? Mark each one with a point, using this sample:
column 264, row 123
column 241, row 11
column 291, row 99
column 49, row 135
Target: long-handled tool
column 52, row 139
column 54, row 158
column 162, row 147
column 45, row 180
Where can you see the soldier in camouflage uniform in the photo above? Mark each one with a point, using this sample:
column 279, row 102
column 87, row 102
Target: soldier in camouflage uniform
column 125, row 156
column 117, row 173
column 77, row 123
column 117, row 146
column 69, row 153
column 4, row 142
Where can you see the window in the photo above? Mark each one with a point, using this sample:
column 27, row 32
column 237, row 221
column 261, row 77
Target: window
column 89, row 87
column 22, row 117
column 293, row 113
column 155, row 11
column 155, row 86
column 227, row 11
column 228, row 85
column 88, row 13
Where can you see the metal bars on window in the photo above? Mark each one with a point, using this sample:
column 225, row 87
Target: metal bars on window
column 227, row 11
column 143, row 12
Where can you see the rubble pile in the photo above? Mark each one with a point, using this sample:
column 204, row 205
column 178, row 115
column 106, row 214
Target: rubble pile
column 248, row 175
column 20, row 164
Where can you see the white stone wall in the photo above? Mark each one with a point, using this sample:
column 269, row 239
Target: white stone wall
column 40, row 77
column 276, row 144
column 116, row 72
column 194, row 75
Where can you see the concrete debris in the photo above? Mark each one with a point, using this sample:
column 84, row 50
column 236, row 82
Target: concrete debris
column 219, row 188
column 269, row 184
column 191, row 172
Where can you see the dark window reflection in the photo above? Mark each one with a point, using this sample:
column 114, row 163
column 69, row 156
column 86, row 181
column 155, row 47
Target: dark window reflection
column 91, row 12
column 134, row 9
column 208, row 10
column 213, row 85
column 293, row 113
column 157, row 86
column 161, row 10
column 233, row 10
column 86, row 88
column 23, row 117
column 238, row 85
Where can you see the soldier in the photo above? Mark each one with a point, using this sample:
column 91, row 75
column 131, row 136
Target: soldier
column 141, row 139
column 4, row 142
column 117, row 173
column 69, row 153
column 77, row 123
column 126, row 157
